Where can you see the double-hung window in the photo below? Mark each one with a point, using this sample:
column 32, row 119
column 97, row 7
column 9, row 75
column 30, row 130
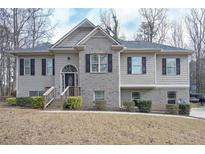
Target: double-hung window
column 49, row 66
column 99, row 63
column 171, row 95
column 135, row 95
column 136, row 65
column 27, row 66
column 171, row 66
column 99, row 95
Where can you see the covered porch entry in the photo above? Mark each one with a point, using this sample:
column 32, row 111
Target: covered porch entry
column 69, row 78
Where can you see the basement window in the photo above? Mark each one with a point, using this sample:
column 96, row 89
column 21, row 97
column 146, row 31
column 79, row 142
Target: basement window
column 171, row 95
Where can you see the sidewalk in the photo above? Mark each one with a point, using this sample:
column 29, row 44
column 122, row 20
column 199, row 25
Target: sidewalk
column 123, row 113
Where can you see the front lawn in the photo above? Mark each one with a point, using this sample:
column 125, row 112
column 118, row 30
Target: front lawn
column 29, row 126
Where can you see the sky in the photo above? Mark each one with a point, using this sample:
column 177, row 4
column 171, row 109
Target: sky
column 129, row 19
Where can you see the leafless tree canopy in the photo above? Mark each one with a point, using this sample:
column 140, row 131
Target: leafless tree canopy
column 153, row 27
column 110, row 22
column 196, row 28
column 20, row 28
column 177, row 35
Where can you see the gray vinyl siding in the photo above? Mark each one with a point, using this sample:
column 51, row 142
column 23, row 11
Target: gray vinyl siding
column 183, row 78
column 61, row 60
column 75, row 37
column 158, row 96
column 108, row 82
column 37, row 82
column 148, row 78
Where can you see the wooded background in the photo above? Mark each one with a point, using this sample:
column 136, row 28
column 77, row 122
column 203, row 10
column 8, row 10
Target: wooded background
column 30, row 28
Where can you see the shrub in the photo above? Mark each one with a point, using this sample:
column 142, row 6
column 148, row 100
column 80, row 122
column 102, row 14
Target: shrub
column 172, row 108
column 136, row 102
column 37, row 101
column 24, row 101
column 73, row 103
column 184, row 109
column 100, row 105
column 144, row 105
column 3, row 98
column 129, row 106
column 11, row 101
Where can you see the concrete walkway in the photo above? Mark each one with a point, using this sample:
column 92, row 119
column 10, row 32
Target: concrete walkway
column 198, row 112
column 123, row 113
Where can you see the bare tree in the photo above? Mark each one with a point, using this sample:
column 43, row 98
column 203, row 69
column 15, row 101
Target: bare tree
column 19, row 28
column 153, row 27
column 177, row 35
column 110, row 22
column 39, row 27
column 195, row 22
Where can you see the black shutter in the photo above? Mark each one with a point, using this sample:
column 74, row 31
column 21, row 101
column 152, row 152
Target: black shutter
column 178, row 66
column 32, row 66
column 144, row 65
column 109, row 62
column 43, row 66
column 129, row 65
column 21, row 66
column 87, row 63
column 164, row 66
column 53, row 66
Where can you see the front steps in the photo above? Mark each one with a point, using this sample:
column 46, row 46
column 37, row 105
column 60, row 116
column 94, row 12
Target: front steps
column 57, row 104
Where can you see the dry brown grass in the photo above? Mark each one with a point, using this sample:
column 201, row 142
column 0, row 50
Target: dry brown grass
column 195, row 105
column 27, row 126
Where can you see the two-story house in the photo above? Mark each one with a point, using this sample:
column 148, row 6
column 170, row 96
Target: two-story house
column 105, row 69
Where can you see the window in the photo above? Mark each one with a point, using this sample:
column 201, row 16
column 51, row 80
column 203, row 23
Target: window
column 99, row 63
column 136, row 65
column 171, row 66
column 36, row 93
column 99, row 96
column 49, row 66
column 27, row 67
column 171, row 95
column 135, row 95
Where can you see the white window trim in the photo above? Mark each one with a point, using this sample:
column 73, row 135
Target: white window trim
column 95, row 96
column 134, row 92
column 25, row 66
column 174, row 74
column 35, row 91
column 171, row 99
column 99, row 63
column 137, row 65
column 51, row 66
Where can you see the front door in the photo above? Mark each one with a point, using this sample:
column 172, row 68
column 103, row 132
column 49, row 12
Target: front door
column 69, row 80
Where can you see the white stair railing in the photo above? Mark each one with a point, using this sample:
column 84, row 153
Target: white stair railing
column 49, row 96
column 65, row 94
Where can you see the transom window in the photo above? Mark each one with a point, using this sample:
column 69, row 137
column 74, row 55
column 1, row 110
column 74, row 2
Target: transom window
column 27, row 68
column 99, row 63
column 136, row 65
column 171, row 95
column 69, row 68
column 171, row 66
column 49, row 66
column 99, row 95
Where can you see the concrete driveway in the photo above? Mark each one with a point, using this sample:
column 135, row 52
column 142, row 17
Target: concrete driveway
column 198, row 112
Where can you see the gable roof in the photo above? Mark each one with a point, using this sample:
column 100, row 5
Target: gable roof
column 84, row 23
column 149, row 45
column 93, row 32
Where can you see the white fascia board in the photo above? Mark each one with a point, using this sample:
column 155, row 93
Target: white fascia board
column 153, row 86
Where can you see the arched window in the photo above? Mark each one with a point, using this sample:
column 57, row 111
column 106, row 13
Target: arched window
column 69, row 68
